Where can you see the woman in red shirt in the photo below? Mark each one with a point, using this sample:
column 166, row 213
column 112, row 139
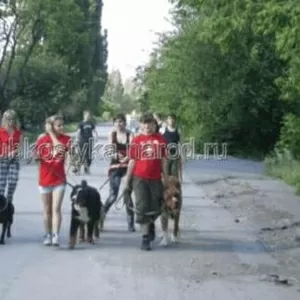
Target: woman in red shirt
column 10, row 146
column 51, row 149
column 146, row 169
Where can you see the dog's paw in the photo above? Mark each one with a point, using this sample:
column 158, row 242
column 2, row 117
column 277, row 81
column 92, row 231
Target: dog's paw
column 174, row 239
column 72, row 242
column 164, row 241
column 2, row 243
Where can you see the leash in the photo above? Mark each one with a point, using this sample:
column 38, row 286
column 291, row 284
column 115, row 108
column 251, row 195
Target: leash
column 104, row 184
column 151, row 213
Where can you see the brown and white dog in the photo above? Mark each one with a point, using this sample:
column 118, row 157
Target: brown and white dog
column 171, row 210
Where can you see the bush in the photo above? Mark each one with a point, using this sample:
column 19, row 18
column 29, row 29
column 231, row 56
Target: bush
column 106, row 116
column 290, row 136
column 283, row 165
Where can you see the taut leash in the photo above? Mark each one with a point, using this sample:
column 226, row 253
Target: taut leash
column 150, row 213
column 104, row 184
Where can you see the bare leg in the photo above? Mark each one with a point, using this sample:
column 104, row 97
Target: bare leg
column 47, row 201
column 58, row 196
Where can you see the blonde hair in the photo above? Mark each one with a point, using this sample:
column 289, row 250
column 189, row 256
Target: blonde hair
column 9, row 114
column 52, row 119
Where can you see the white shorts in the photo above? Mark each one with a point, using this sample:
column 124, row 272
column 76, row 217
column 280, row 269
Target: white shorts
column 52, row 188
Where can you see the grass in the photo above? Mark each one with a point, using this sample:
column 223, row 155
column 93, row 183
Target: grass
column 283, row 166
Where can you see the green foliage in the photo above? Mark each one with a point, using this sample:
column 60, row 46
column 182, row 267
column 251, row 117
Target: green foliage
column 283, row 166
column 106, row 116
column 224, row 71
column 44, row 91
column 71, row 127
column 57, row 59
column 118, row 97
column 290, row 135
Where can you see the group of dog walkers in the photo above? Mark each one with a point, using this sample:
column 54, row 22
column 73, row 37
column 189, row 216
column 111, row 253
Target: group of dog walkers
column 143, row 161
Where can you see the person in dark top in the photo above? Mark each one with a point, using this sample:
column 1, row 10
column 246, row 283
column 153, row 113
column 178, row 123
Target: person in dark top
column 120, row 138
column 85, row 137
column 173, row 137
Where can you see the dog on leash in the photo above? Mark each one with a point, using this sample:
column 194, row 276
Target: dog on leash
column 7, row 211
column 87, row 213
column 171, row 210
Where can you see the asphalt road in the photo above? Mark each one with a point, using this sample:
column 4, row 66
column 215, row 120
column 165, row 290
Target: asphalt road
column 215, row 259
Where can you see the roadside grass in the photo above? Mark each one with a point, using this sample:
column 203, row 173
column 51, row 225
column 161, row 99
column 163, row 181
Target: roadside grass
column 283, row 166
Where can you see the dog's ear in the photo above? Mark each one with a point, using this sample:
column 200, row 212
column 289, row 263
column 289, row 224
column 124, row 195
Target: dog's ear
column 84, row 183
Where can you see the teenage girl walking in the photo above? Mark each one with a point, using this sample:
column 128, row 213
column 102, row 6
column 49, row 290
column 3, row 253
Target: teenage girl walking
column 51, row 149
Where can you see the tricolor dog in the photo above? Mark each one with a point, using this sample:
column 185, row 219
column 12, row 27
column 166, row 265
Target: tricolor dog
column 87, row 213
column 171, row 210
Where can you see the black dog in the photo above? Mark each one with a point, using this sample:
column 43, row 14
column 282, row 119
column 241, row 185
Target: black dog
column 87, row 211
column 7, row 211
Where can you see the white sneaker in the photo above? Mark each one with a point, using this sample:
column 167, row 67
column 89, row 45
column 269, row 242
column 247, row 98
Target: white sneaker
column 47, row 240
column 55, row 241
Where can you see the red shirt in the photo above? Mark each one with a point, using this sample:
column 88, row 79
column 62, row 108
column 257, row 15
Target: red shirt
column 148, row 151
column 9, row 143
column 52, row 168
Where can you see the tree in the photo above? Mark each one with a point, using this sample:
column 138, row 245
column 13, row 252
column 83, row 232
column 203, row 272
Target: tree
column 65, row 34
column 119, row 97
column 220, row 71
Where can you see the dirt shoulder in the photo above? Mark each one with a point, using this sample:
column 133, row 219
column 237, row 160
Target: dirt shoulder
column 256, row 201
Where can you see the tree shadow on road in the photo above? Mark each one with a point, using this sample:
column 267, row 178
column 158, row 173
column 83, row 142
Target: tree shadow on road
column 123, row 240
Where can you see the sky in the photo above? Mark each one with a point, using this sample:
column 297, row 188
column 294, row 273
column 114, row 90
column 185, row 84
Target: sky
column 131, row 26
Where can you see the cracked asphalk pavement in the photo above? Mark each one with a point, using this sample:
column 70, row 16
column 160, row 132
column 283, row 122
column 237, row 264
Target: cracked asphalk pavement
column 216, row 258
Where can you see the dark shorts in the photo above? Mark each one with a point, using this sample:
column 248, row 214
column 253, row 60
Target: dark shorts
column 148, row 199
